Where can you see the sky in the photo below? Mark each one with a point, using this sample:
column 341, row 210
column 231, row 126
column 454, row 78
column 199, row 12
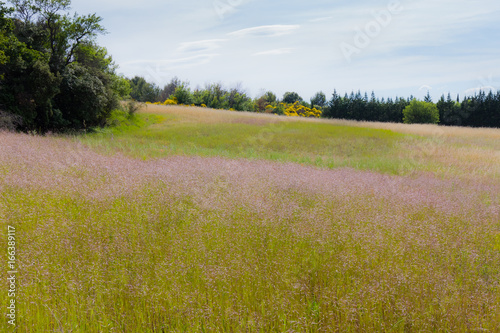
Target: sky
column 394, row 48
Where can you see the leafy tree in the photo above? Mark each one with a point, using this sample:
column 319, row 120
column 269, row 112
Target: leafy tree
column 169, row 89
column 51, row 73
column 260, row 104
column 419, row 112
column 236, row 99
column 6, row 28
column 270, row 97
column 143, row 91
column 319, row 99
column 291, row 97
column 183, row 94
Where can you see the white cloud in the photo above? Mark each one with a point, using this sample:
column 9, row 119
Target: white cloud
column 266, row 31
column 173, row 63
column 274, row 52
column 202, row 45
column 321, row 19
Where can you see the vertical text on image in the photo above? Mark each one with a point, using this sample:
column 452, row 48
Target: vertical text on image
column 11, row 275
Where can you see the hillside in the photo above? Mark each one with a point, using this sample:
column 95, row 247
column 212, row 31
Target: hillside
column 191, row 219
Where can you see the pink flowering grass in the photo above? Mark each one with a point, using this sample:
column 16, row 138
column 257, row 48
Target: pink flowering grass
column 117, row 244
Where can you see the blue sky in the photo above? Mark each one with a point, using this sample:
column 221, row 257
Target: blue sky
column 395, row 48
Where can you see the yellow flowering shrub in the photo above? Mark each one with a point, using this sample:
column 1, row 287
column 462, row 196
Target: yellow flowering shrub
column 298, row 110
column 203, row 106
column 269, row 108
column 169, row 101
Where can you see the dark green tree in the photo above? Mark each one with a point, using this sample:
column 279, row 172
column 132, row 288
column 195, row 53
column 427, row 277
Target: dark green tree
column 53, row 75
column 169, row 89
column 183, row 94
column 319, row 99
column 270, row 97
column 143, row 91
column 291, row 97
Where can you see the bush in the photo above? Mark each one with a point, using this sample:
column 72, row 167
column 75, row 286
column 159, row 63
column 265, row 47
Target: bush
column 9, row 121
column 291, row 97
column 419, row 112
column 169, row 101
column 298, row 110
column 183, row 95
column 83, row 99
column 143, row 91
column 132, row 107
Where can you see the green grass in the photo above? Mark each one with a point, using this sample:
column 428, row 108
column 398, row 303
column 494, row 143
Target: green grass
column 145, row 244
column 164, row 263
column 321, row 145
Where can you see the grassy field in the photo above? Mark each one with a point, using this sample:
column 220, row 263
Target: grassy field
column 198, row 220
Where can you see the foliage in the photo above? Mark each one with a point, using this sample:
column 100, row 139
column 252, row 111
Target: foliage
column 270, row 97
column 9, row 121
column 359, row 107
column 83, row 98
column 143, row 91
column 319, row 99
column 170, row 101
column 450, row 112
column 52, row 74
column 291, row 97
column 296, row 109
column 183, row 94
column 217, row 97
column 480, row 110
column 6, row 28
column 132, row 107
column 260, row 104
column 169, row 89
column 420, row 112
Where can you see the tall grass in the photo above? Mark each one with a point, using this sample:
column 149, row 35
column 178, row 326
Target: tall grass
column 397, row 149
column 120, row 243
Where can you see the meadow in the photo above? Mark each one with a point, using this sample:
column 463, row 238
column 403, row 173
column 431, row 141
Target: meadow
column 197, row 220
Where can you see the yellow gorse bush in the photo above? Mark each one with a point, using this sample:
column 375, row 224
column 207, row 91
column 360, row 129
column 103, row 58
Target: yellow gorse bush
column 298, row 110
column 169, row 101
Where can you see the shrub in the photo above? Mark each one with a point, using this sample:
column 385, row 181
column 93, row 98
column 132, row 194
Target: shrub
column 419, row 112
column 132, row 107
column 9, row 121
column 172, row 101
column 296, row 109
column 183, row 95
column 269, row 109
column 291, row 97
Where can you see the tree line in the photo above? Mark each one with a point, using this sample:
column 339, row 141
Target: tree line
column 479, row 110
column 54, row 77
